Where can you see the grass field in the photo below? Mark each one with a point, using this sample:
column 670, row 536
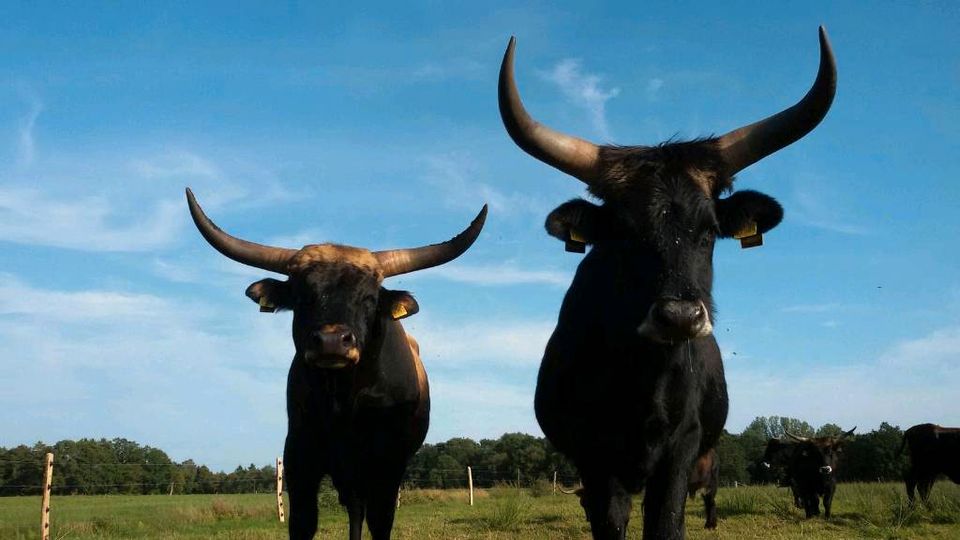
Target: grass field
column 860, row 511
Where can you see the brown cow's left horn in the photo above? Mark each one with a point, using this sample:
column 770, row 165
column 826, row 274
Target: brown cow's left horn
column 266, row 257
column 576, row 157
column 402, row 261
column 744, row 146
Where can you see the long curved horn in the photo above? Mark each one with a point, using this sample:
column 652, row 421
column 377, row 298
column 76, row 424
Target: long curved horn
column 569, row 492
column 266, row 257
column 574, row 156
column 401, row 261
column 796, row 437
column 744, row 146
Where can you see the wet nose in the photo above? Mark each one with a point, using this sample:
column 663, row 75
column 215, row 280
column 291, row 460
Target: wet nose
column 685, row 317
column 826, row 469
column 335, row 339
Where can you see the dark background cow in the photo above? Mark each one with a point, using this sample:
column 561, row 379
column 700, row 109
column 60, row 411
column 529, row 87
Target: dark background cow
column 358, row 402
column 776, row 460
column 631, row 386
column 813, row 470
column 934, row 450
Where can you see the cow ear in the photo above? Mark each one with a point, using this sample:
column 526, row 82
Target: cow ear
column 270, row 294
column 747, row 213
column 576, row 223
column 398, row 304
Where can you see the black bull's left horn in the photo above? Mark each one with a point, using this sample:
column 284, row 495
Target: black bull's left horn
column 392, row 262
column 740, row 148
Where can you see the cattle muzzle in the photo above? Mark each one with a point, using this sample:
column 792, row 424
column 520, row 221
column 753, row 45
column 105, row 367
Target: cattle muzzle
column 333, row 346
column 671, row 320
column 826, row 470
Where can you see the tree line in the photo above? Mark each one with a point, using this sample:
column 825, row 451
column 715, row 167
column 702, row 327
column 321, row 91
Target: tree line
column 120, row 466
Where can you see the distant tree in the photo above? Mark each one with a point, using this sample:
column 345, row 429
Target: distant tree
column 733, row 460
column 871, row 457
column 829, row 430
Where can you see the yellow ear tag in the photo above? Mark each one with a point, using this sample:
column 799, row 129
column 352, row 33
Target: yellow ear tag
column 749, row 229
column 266, row 306
column 399, row 311
column 748, row 236
column 576, row 243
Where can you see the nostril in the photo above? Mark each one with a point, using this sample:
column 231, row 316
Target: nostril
column 348, row 339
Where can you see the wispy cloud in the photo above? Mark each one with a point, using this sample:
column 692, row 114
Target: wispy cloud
column 95, row 351
column 491, row 341
column 26, row 144
column 653, row 88
column 935, row 352
column 828, row 307
column 584, row 90
column 28, row 216
column 178, row 163
column 816, row 205
column 914, row 381
column 495, row 275
column 454, row 175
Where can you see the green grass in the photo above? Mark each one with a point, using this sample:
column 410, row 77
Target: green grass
column 860, row 511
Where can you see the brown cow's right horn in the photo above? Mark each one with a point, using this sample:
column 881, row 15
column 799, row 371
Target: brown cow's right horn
column 401, row 261
column 576, row 157
column 744, row 146
column 266, row 257
column 796, row 437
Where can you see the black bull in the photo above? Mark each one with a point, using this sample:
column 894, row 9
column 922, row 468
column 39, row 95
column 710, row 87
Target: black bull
column 812, row 470
column 934, row 450
column 358, row 402
column 631, row 386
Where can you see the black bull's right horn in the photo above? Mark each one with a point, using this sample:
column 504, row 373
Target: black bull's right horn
column 392, row 262
column 740, row 148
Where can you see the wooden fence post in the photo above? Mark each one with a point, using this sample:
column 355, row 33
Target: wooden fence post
column 470, row 483
column 280, row 490
column 554, row 482
column 45, row 505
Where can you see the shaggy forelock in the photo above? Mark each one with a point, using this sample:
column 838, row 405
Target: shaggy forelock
column 626, row 168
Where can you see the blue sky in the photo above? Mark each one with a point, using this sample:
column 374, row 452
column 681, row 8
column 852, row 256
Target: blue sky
column 377, row 126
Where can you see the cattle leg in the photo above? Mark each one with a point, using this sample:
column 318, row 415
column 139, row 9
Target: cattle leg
column 811, row 505
column 607, row 506
column 302, row 477
column 828, row 501
column 710, row 506
column 663, row 501
column 924, row 487
column 381, row 507
column 910, row 479
column 355, row 513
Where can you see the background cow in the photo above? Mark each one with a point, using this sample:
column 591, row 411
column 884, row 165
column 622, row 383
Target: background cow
column 813, row 470
column 776, row 461
column 631, row 386
column 934, row 450
column 358, row 403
